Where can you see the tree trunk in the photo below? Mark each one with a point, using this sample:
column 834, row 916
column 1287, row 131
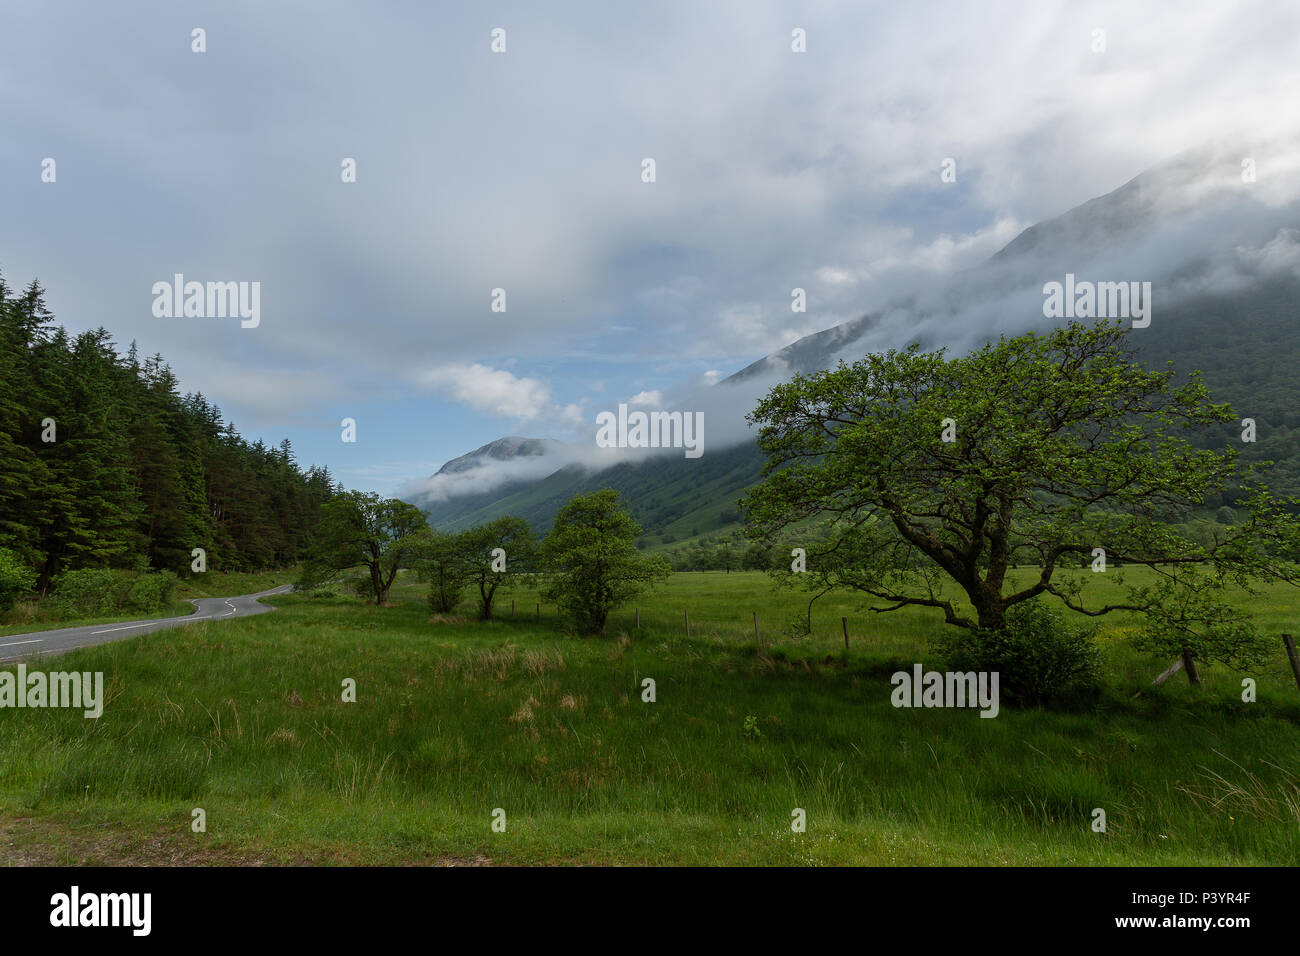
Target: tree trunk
column 990, row 611
column 1189, row 665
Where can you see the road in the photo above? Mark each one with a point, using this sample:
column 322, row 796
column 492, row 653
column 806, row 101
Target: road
column 14, row 646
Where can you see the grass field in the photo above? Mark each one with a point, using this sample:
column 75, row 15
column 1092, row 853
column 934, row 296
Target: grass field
column 455, row 718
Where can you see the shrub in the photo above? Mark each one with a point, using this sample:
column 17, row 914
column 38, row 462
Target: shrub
column 90, row 591
column 16, row 579
column 1039, row 658
column 151, row 592
column 443, row 599
column 442, row 563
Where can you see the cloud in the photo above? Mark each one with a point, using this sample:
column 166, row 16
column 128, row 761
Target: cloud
column 489, row 474
column 521, row 171
column 496, row 392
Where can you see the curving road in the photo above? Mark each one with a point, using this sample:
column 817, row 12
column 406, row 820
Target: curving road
column 14, row 646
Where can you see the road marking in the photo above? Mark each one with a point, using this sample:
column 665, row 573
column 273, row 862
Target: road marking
column 166, row 620
column 124, row 627
column 16, row 643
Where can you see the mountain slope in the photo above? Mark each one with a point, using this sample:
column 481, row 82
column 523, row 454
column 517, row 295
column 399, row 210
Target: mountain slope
column 1224, row 264
column 671, row 496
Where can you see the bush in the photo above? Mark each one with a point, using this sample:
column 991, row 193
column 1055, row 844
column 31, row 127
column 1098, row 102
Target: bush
column 16, row 579
column 1039, row 658
column 91, row 591
column 443, row 599
column 151, row 592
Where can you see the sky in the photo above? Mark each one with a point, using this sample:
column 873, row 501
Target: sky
column 523, row 170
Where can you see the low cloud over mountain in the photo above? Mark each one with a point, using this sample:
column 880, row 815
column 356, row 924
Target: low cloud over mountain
column 1216, row 221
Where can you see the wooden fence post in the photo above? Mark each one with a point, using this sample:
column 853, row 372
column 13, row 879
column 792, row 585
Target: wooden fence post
column 758, row 639
column 844, row 622
column 638, row 619
column 1169, row 672
column 539, row 611
column 1295, row 660
column 688, row 622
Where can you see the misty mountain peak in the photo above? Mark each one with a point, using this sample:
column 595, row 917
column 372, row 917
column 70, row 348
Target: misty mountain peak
column 502, row 449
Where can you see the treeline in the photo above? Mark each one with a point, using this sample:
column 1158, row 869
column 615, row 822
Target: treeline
column 104, row 463
column 732, row 551
column 728, row 552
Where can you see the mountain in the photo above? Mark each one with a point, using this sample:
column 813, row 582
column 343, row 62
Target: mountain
column 673, row 497
column 1223, row 260
column 1174, row 225
column 503, row 449
column 495, row 471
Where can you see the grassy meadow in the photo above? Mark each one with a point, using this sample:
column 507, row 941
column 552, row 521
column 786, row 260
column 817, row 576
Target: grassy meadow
column 455, row 718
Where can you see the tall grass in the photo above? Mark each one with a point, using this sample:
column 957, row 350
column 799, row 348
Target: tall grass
column 455, row 718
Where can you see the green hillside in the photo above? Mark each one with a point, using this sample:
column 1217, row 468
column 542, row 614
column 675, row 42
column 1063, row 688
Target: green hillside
column 1247, row 346
column 671, row 496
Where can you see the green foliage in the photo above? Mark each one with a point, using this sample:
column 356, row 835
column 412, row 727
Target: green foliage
column 104, row 463
column 758, row 557
column 485, row 566
column 441, row 562
column 935, row 475
column 451, row 563
column 100, row 591
column 1187, row 612
column 1037, row 656
column 591, row 560
column 727, row 551
column 16, row 579
column 151, row 592
column 90, row 591
column 383, row 535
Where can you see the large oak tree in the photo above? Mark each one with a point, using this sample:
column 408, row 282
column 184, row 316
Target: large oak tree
column 934, row 475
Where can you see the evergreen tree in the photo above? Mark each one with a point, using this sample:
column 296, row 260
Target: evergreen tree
column 104, row 463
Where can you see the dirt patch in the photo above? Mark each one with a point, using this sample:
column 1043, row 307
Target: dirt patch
column 43, row 841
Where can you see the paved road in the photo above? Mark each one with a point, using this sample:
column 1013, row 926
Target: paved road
column 15, row 646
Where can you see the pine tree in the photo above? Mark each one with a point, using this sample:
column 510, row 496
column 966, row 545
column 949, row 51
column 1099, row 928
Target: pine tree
column 103, row 463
